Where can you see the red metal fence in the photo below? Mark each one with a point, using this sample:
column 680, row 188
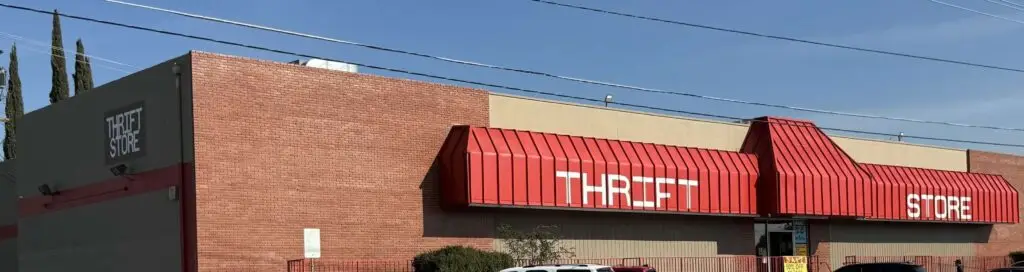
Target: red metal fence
column 662, row 264
column 939, row 264
column 313, row 265
column 686, row 264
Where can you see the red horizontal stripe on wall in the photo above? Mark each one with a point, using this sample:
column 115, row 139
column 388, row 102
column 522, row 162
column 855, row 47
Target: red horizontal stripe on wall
column 108, row 189
column 8, row 232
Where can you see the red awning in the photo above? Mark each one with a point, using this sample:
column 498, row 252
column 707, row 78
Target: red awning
column 804, row 173
column 907, row 193
column 511, row 168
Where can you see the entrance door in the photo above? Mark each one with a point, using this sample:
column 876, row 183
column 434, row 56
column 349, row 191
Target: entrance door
column 773, row 240
column 780, row 243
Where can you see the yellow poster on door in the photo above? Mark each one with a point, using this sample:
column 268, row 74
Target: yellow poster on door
column 800, row 250
column 795, row 264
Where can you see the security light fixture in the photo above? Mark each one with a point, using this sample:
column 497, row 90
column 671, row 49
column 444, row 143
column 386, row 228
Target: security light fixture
column 607, row 100
column 46, row 190
column 119, row 170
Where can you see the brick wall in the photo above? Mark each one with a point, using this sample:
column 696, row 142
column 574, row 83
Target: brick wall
column 1003, row 238
column 281, row 147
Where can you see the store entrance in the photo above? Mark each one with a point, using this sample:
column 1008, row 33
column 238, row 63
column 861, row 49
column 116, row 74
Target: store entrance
column 774, row 239
column 780, row 243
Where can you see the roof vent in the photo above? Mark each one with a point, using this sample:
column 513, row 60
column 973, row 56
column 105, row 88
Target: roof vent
column 329, row 65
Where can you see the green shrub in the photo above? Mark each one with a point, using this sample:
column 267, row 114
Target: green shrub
column 1017, row 257
column 461, row 259
column 540, row 245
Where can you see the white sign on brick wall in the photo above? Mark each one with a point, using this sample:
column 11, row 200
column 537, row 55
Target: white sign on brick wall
column 311, row 243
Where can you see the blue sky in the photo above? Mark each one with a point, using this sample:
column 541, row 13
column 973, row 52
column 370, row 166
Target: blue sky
column 528, row 35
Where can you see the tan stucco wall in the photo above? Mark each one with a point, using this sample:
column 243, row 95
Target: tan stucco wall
column 580, row 120
column 609, row 238
column 590, row 236
column 903, row 154
column 880, row 239
column 514, row 112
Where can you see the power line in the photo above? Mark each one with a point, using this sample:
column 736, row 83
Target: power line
column 784, row 38
column 50, row 46
column 48, row 52
column 549, row 75
column 1005, row 3
column 639, row 106
column 976, row 11
column 1012, row 3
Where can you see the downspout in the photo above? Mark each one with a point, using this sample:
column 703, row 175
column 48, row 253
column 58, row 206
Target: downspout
column 186, row 252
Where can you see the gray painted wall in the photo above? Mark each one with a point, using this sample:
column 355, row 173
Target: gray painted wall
column 9, row 255
column 8, row 216
column 8, row 194
column 75, row 129
column 64, row 145
column 135, row 233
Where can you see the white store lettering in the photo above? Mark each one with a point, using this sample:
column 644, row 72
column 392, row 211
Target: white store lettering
column 123, row 130
column 938, row 206
column 610, row 185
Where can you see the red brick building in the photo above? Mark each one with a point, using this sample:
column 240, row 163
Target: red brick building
column 209, row 162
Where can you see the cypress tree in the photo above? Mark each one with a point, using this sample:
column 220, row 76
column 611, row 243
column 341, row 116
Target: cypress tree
column 15, row 108
column 83, row 70
column 59, row 87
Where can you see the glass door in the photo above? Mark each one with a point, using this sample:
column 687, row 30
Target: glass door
column 773, row 240
column 780, row 243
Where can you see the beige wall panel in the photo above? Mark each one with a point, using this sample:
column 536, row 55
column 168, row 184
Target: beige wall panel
column 580, row 120
column 595, row 235
column 890, row 153
column 902, row 239
column 662, row 255
column 841, row 250
column 592, row 121
column 614, row 249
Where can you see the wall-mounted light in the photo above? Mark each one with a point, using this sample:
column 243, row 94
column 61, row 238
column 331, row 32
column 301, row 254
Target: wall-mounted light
column 47, row 191
column 119, row 170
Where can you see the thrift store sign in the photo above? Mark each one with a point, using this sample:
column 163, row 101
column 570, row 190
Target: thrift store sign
column 938, row 206
column 125, row 136
column 636, row 191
